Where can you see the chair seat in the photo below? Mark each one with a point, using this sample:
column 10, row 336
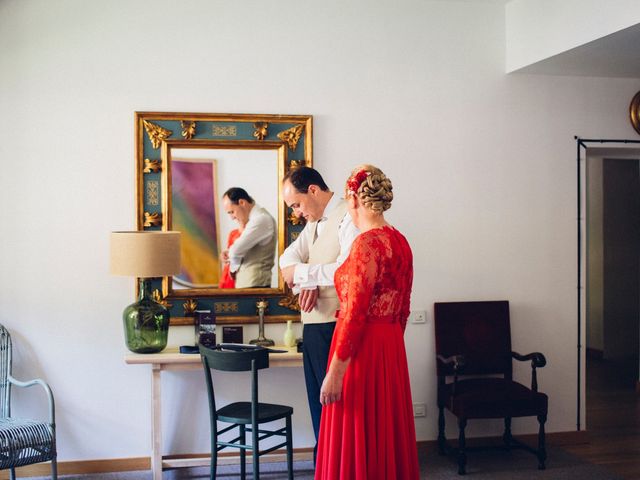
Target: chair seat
column 493, row 398
column 240, row 412
column 24, row 441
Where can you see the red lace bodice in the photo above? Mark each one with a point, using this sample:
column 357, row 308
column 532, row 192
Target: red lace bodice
column 373, row 285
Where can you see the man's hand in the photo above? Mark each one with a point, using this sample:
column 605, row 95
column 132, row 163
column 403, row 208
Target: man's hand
column 224, row 256
column 287, row 275
column 308, row 299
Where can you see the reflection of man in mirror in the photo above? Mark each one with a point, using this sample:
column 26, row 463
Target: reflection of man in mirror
column 251, row 257
column 309, row 264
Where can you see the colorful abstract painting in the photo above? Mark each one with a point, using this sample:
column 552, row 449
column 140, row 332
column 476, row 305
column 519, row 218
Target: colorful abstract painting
column 193, row 195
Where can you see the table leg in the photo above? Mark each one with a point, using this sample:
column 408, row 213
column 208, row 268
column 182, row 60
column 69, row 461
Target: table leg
column 156, row 423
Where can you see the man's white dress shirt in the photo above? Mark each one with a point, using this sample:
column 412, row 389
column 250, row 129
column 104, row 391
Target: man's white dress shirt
column 259, row 230
column 308, row 276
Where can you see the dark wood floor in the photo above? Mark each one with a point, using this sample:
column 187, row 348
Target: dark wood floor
column 613, row 417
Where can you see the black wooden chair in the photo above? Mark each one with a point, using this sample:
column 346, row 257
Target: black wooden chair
column 23, row 441
column 473, row 345
column 246, row 416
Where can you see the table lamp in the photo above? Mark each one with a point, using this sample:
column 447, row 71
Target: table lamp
column 145, row 255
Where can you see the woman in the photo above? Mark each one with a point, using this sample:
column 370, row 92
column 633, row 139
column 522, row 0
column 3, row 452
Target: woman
column 367, row 430
column 226, row 280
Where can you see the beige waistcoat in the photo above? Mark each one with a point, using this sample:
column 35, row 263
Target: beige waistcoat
column 257, row 264
column 325, row 249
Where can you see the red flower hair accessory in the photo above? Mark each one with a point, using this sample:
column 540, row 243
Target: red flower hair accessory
column 353, row 184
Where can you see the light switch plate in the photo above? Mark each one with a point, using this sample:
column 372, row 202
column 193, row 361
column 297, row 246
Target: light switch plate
column 419, row 410
column 418, row 316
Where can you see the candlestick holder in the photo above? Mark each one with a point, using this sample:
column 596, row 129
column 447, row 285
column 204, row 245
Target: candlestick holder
column 262, row 306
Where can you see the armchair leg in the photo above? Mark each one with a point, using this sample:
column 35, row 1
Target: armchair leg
column 12, row 473
column 442, row 441
column 54, row 469
column 542, row 451
column 507, row 438
column 462, row 454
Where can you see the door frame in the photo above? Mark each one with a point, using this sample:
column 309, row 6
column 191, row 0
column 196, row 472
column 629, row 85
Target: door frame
column 612, row 146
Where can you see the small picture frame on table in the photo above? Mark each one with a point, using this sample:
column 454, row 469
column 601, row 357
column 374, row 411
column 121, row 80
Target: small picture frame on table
column 232, row 334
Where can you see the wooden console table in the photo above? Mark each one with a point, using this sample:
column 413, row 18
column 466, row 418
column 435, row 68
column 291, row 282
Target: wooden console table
column 171, row 359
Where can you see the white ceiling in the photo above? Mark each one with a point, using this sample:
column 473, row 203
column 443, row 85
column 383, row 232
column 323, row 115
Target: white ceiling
column 616, row 55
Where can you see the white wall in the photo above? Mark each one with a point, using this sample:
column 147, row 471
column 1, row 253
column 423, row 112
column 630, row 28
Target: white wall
column 483, row 166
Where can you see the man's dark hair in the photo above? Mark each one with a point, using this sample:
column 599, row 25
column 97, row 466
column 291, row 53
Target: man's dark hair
column 302, row 177
column 236, row 194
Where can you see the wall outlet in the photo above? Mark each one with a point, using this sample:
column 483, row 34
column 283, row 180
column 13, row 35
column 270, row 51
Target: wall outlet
column 418, row 316
column 419, row 410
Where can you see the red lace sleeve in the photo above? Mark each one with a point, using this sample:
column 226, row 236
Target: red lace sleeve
column 406, row 300
column 361, row 273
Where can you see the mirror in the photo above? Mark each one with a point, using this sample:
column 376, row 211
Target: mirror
column 198, row 175
column 185, row 162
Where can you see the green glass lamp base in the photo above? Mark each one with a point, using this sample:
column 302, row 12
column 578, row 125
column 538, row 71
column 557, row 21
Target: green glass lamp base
column 146, row 323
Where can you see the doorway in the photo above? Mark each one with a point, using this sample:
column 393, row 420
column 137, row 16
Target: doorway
column 611, row 279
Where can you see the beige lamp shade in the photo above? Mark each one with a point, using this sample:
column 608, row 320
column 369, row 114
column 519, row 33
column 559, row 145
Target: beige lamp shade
column 145, row 254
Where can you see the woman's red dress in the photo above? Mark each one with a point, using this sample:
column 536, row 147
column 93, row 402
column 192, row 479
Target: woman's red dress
column 369, row 434
column 225, row 279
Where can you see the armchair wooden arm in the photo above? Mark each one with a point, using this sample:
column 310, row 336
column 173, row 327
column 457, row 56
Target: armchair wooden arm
column 538, row 360
column 459, row 363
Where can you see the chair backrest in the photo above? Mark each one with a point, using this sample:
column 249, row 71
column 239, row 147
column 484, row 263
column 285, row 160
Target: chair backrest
column 5, row 371
column 235, row 360
column 478, row 330
column 252, row 359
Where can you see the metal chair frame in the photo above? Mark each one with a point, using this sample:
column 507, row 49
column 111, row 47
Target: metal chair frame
column 23, row 441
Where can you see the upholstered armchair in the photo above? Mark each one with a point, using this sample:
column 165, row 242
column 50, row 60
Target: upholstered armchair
column 474, row 368
column 23, row 441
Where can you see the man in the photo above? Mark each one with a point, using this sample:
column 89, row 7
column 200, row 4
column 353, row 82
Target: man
column 309, row 264
column 252, row 255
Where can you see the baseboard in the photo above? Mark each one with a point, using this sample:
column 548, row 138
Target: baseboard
column 594, row 353
column 83, row 467
column 556, row 439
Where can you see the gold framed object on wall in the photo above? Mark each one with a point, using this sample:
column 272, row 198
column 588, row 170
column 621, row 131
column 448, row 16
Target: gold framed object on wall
column 211, row 153
column 634, row 112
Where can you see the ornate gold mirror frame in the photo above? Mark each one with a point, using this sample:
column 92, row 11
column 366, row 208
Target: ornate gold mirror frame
column 162, row 137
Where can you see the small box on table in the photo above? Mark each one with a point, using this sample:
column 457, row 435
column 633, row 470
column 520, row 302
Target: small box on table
column 232, row 334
